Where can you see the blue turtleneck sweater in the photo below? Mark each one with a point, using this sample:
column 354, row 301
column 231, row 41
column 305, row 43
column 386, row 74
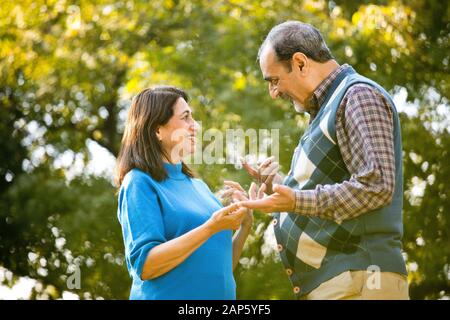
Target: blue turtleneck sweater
column 152, row 213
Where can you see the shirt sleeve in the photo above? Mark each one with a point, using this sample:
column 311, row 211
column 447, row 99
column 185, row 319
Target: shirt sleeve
column 141, row 220
column 364, row 128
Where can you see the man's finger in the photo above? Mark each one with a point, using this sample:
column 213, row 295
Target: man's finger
column 251, row 171
column 281, row 189
column 261, row 191
column 272, row 169
column 252, row 192
column 269, row 180
column 260, row 204
column 266, row 162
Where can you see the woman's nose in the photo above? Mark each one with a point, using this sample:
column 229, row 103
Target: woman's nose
column 195, row 126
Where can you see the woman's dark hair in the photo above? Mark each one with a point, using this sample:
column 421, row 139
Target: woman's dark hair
column 140, row 147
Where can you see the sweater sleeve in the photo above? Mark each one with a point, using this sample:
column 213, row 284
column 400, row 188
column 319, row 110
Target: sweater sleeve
column 141, row 220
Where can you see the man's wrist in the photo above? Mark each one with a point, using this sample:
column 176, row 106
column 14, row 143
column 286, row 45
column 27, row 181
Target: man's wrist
column 305, row 202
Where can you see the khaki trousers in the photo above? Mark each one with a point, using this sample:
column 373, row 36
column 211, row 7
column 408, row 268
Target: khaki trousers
column 362, row 285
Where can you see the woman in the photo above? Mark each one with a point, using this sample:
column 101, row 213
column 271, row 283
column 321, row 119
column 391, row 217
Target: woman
column 177, row 236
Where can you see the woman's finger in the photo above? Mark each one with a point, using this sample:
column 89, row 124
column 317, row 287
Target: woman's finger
column 233, row 184
column 239, row 214
column 227, row 192
column 239, row 196
column 229, row 209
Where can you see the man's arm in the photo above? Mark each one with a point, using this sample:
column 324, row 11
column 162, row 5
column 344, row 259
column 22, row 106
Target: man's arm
column 364, row 129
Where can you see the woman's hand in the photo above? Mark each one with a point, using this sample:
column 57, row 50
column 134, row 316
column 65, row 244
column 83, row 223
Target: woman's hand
column 237, row 193
column 227, row 218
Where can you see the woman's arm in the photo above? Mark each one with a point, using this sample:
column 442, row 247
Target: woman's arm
column 239, row 194
column 239, row 240
column 166, row 256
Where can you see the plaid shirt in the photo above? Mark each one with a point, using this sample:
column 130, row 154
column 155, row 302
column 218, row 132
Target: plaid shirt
column 364, row 129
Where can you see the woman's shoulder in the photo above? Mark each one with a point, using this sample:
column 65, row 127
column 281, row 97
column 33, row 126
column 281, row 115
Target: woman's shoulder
column 199, row 182
column 204, row 186
column 137, row 177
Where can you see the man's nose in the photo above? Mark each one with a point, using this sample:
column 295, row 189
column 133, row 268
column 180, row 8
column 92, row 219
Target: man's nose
column 273, row 91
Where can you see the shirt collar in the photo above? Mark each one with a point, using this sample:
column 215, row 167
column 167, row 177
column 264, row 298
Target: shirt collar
column 320, row 93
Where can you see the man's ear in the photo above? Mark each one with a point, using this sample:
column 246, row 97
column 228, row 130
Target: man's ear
column 300, row 60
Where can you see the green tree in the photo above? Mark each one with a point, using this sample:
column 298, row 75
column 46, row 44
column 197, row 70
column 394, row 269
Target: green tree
column 69, row 68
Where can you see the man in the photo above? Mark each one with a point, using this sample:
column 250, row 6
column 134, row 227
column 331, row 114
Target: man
column 338, row 220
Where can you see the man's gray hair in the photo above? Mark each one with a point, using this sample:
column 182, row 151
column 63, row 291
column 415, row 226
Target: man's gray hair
column 290, row 37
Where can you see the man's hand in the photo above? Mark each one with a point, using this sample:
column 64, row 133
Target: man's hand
column 266, row 172
column 282, row 199
column 237, row 193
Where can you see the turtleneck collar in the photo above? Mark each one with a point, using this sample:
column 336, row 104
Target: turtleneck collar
column 174, row 170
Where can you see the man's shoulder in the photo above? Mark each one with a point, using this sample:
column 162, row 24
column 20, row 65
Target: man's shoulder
column 362, row 95
column 362, row 91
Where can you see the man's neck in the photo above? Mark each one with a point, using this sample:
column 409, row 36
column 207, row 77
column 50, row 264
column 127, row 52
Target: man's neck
column 325, row 69
column 322, row 71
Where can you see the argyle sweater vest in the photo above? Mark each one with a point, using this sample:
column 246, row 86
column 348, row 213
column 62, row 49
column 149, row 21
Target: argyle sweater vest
column 314, row 250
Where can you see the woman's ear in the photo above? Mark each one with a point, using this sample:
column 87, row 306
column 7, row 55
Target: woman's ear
column 158, row 134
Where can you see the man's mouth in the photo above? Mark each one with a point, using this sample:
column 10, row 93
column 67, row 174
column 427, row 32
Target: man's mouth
column 286, row 97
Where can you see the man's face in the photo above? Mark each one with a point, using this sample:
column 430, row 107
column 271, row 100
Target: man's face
column 282, row 83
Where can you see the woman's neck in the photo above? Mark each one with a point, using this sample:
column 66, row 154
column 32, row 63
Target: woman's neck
column 172, row 160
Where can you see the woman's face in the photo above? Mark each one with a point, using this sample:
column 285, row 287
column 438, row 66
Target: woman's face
column 178, row 136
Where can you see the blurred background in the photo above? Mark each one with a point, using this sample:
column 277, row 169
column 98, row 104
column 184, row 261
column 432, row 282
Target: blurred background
column 68, row 70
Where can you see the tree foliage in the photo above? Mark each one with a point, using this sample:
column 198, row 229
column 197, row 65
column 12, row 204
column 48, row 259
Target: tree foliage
column 69, row 68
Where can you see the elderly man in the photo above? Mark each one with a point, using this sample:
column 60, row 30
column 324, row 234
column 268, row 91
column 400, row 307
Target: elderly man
column 338, row 213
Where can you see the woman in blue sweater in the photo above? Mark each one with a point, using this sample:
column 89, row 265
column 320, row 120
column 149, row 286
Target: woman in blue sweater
column 178, row 237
